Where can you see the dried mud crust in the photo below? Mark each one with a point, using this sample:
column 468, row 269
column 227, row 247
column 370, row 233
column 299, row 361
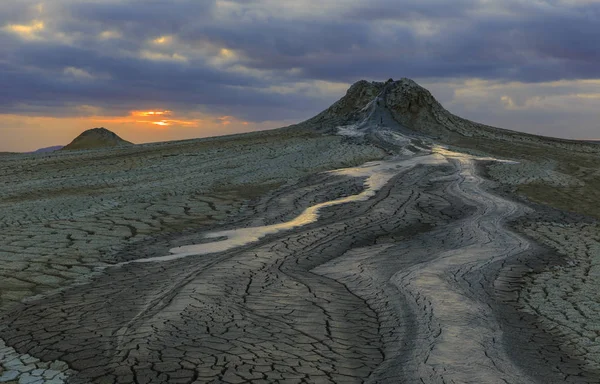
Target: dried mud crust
column 346, row 299
column 64, row 214
column 421, row 283
column 565, row 297
column 559, row 293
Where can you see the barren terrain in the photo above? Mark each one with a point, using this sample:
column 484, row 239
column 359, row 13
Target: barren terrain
column 243, row 259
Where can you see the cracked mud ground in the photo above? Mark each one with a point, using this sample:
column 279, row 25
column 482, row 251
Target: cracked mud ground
column 417, row 284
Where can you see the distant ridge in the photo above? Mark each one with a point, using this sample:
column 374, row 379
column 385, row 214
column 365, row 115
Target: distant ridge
column 49, row 149
column 96, row 138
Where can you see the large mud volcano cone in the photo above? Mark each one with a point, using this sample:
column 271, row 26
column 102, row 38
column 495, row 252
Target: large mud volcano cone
column 374, row 109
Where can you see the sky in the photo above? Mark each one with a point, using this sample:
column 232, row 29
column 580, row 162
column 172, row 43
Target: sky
column 154, row 70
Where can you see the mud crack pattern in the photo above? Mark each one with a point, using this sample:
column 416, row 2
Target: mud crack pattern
column 400, row 288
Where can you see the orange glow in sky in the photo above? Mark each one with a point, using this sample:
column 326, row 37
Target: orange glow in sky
column 150, row 113
column 137, row 126
column 157, row 118
column 161, row 119
column 166, row 123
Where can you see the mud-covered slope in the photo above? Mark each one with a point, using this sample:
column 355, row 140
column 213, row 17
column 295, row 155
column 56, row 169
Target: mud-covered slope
column 414, row 108
column 96, row 138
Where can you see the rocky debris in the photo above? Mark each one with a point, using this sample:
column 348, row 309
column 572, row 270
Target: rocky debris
column 96, row 138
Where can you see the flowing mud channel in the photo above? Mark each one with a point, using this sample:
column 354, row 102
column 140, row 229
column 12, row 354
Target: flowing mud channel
column 387, row 273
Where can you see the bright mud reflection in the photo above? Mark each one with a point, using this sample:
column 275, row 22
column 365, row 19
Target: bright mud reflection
column 378, row 174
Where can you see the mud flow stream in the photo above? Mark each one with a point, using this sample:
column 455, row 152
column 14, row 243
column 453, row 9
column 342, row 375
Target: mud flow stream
column 390, row 289
column 377, row 175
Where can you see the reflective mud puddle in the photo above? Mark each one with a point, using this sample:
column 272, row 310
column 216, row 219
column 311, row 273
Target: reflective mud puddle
column 377, row 174
column 265, row 289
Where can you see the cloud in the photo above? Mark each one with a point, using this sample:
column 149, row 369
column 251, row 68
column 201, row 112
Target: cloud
column 268, row 60
column 78, row 73
column 158, row 56
column 163, row 40
column 26, row 31
column 564, row 108
column 110, row 34
column 43, row 131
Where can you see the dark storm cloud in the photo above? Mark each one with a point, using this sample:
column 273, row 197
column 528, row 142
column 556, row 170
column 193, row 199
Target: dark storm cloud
column 68, row 62
column 516, row 42
column 131, row 83
column 403, row 10
column 142, row 18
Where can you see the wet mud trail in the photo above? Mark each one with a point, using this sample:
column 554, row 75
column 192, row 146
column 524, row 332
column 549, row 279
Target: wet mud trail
column 399, row 287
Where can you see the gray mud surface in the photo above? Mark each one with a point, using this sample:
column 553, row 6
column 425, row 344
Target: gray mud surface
column 420, row 283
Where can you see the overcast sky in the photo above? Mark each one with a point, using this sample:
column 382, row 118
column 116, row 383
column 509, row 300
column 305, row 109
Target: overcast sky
column 160, row 70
